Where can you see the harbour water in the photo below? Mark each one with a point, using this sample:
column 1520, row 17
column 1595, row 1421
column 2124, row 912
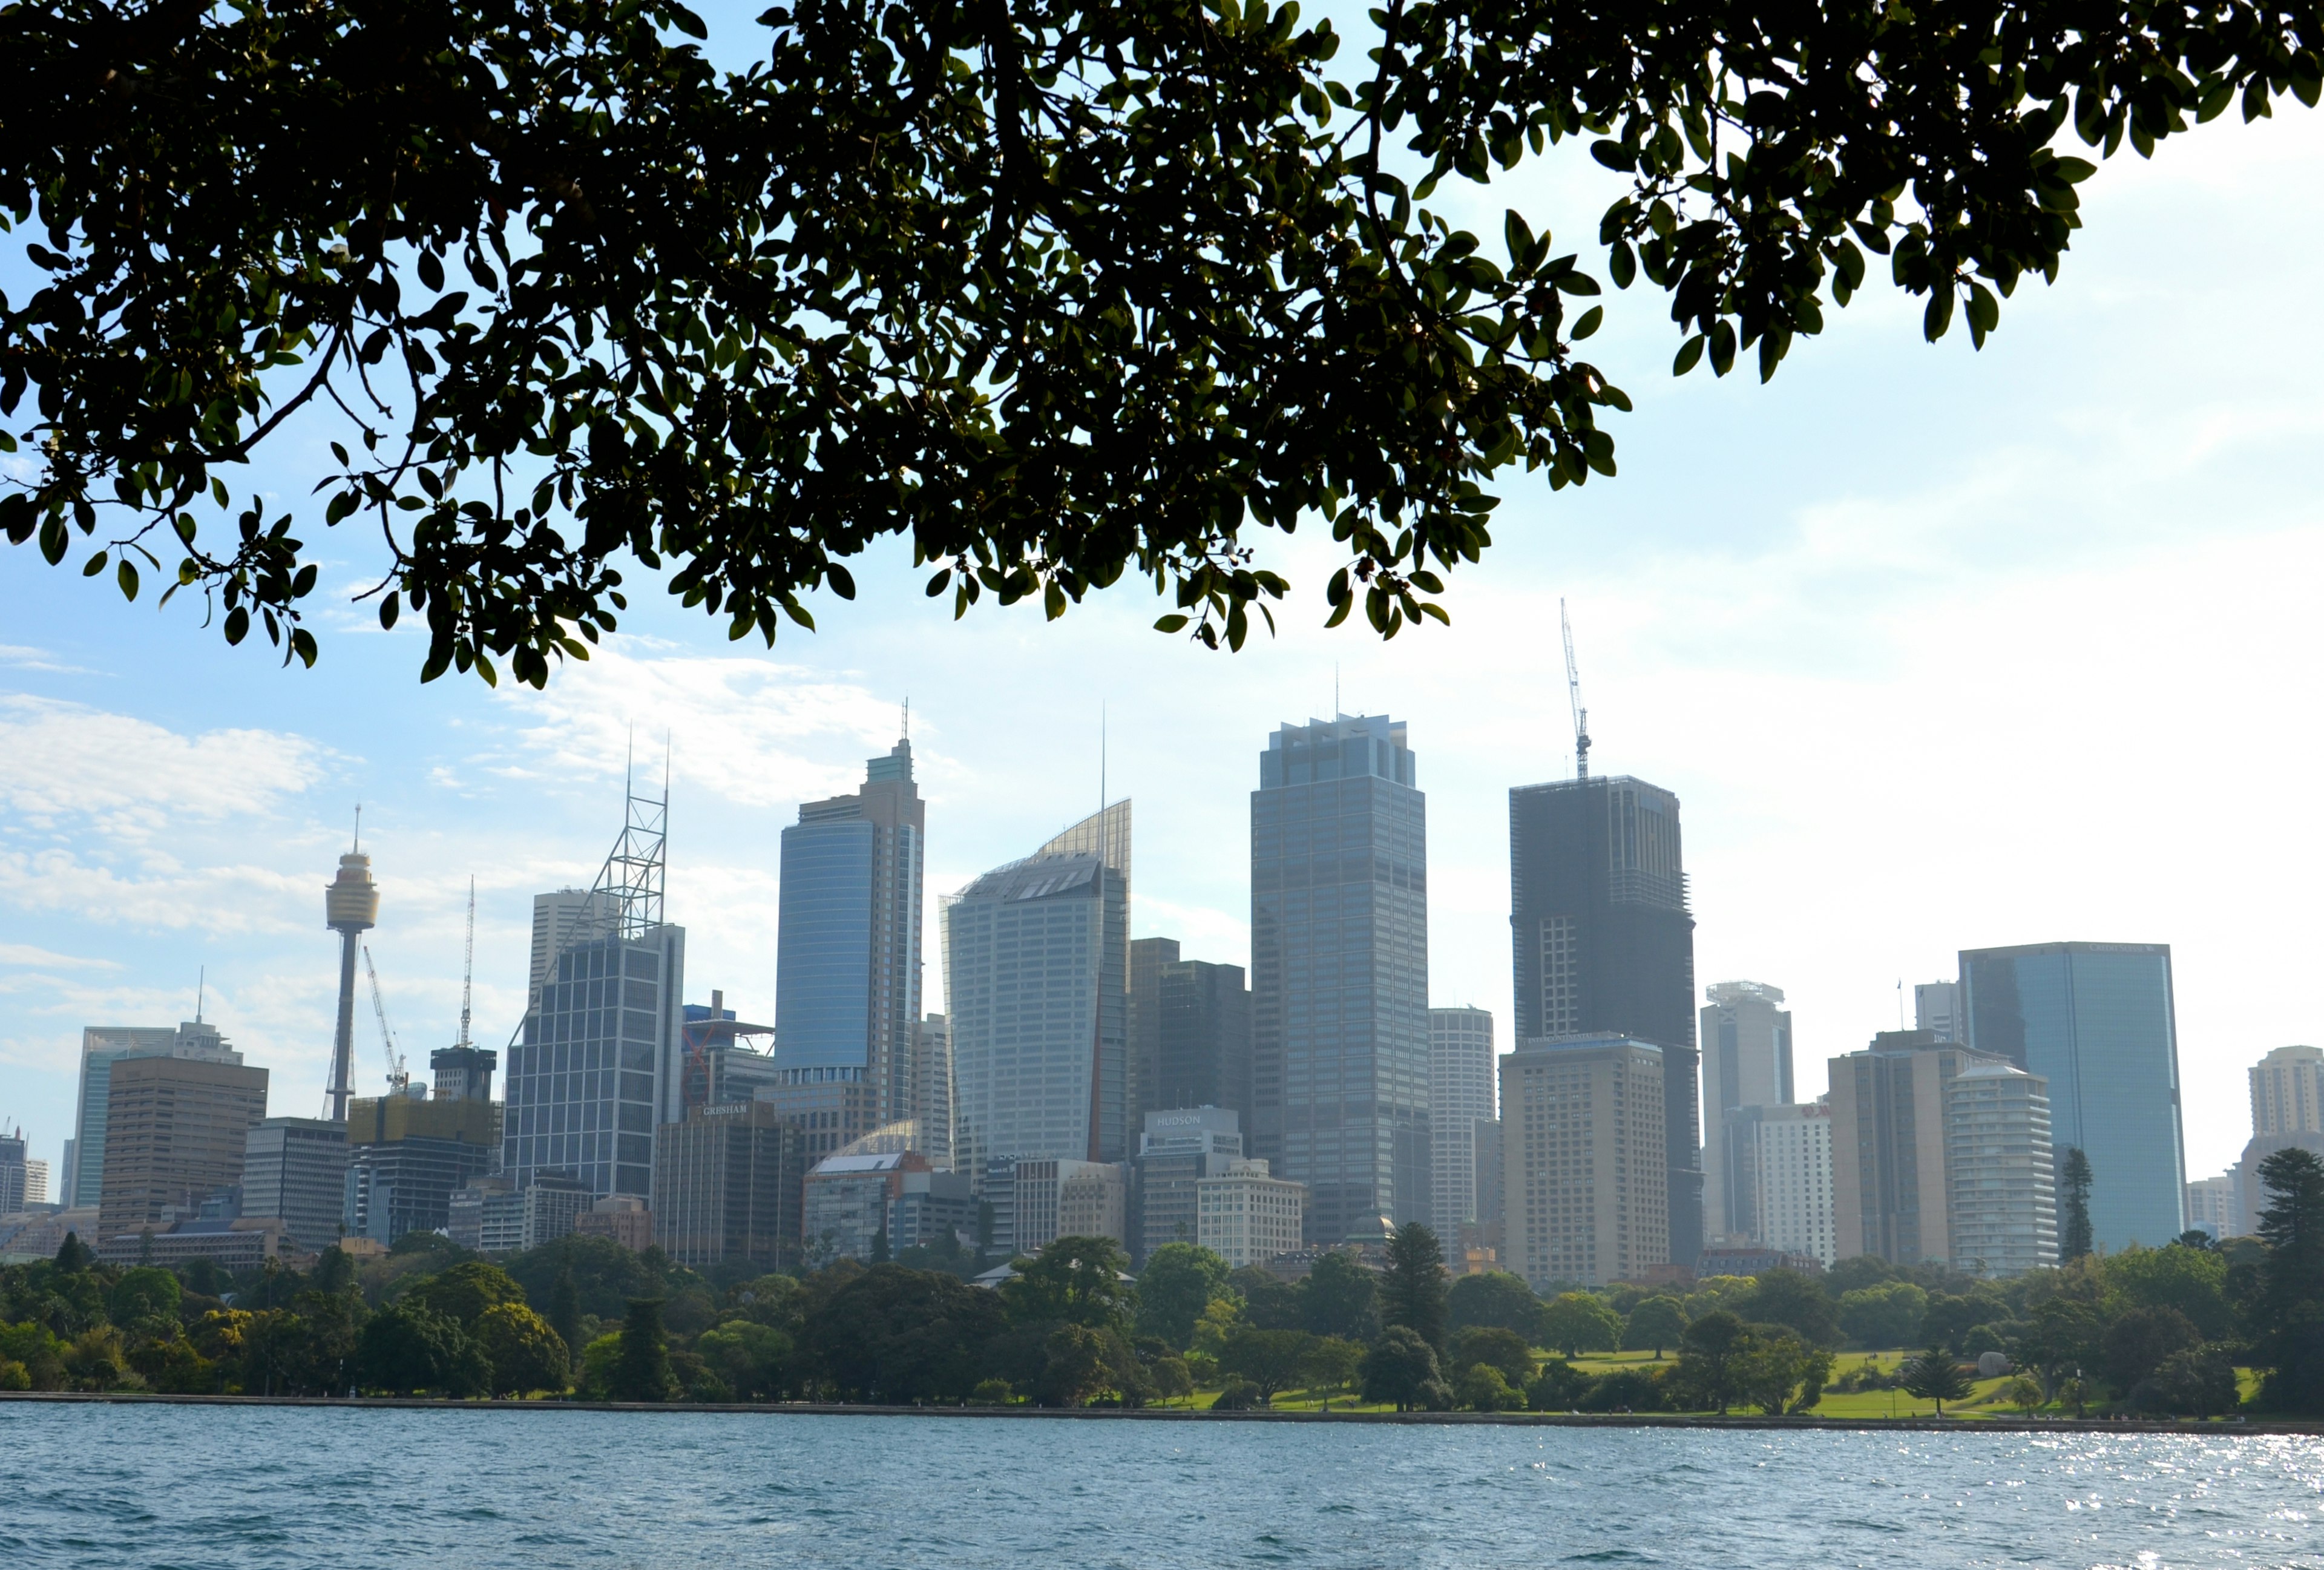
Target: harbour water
column 190, row 1487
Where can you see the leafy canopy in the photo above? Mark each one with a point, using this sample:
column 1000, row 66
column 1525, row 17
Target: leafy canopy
column 1062, row 292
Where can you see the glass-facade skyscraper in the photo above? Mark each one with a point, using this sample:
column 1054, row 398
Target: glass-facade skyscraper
column 1036, row 1001
column 1603, row 943
column 2096, row 1021
column 1339, row 950
column 847, row 960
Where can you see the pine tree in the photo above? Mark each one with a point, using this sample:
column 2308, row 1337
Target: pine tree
column 1413, row 1288
column 641, row 1367
column 2291, row 1307
column 2074, row 1205
column 1934, row 1376
column 565, row 1311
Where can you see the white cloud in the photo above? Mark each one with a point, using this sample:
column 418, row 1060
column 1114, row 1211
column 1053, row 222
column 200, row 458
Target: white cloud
column 24, row 954
column 130, row 778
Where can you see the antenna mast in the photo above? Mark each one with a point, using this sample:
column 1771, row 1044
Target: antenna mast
column 1573, row 693
column 468, row 964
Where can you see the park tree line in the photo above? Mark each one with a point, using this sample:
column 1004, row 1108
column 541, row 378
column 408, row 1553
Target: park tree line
column 2157, row 1331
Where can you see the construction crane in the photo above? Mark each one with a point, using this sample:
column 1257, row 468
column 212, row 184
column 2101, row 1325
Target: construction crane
column 468, row 964
column 397, row 1078
column 1573, row 692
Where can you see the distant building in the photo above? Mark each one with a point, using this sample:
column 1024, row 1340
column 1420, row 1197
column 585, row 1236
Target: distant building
column 2096, row 1021
column 848, row 945
column 236, row 1245
column 1604, row 945
column 1190, row 1031
column 493, row 1216
column 621, row 1217
column 721, row 1063
column 564, row 920
column 175, row 1129
column 103, row 1046
column 1746, row 1062
column 2000, row 1178
column 1777, row 1180
column 23, row 1182
column 1047, row 1195
column 1926, row 1172
column 1460, row 1094
column 997, row 1200
column 928, row 1208
column 407, row 1155
column 1585, row 1162
column 2216, row 1204
column 1936, row 1008
column 1246, row 1216
column 1754, row 1260
column 1338, row 955
column 2287, row 1092
column 1491, row 1220
column 730, row 1180
column 65, row 1173
column 831, row 1108
column 846, row 1206
column 1178, row 1149
column 601, row 1060
column 933, row 1092
column 297, row 1168
column 1036, row 983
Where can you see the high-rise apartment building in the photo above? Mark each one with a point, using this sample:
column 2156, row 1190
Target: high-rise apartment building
column 1190, row 1031
column 1036, row 987
column 175, row 1129
column 1777, row 1180
column 2216, row 1204
column 296, row 1169
column 1936, row 1008
column 2096, row 1021
column 2000, row 1178
column 1460, row 1076
column 1603, row 943
column 1746, row 1062
column 847, row 967
column 1584, row 1161
column 600, row 1063
column 1339, row 934
column 1888, row 1147
column 2287, row 1092
column 103, row 1046
column 728, row 1185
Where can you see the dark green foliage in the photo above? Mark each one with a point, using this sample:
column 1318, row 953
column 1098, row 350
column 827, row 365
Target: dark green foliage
column 74, row 1255
column 2137, row 1342
column 1787, row 1297
column 751, row 1358
column 1933, row 1376
column 899, row 1336
column 1656, row 1324
column 1624, row 1389
column 2288, row 1310
column 2196, row 1382
column 1779, row 1372
column 1949, row 1317
column 410, row 1347
column 145, row 1293
column 1341, row 1297
column 565, row 1310
column 1710, row 1359
column 1884, row 1316
column 465, row 1290
column 2074, row 1205
column 1495, row 1298
column 1413, row 1288
column 1179, row 1282
column 606, row 1275
column 1075, row 1366
column 1080, row 295
column 524, row 1352
column 1075, row 1280
column 1505, row 1350
column 1579, row 1322
column 1558, row 1388
column 1400, row 1368
column 1237, row 1396
column 642, row 1368
column 1268, row 1361
column 1482, row 1387
column 1268, row 1301
column 881, row 1254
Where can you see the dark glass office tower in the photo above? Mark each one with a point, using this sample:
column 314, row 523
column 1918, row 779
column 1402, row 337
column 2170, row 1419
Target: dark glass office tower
column 1604, row 945
column 847, row 944
column 2095, row 1020
column 1339, row 941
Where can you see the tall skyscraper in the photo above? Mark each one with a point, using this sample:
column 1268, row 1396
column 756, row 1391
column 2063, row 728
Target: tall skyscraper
column 847, row 967
column 16, row 1187
column 407, row 1153
column 1460, row 1076
column 175, row 1129
column 2097, row 1021
column 561, row 919
column 1934, row 1151
column 1339, row 950
column 932, row 1091
column 2287, row 1092
column 1747, row 1061
column 1603, row 943
column 1936, row 1008
column 1036, row 988
column 2001, row 1186
column 1582, row 1159
column 1197, row 1018
column 728, row 1185
column 350, row 908
column 101, row 1047
column 1147, row 955
column 1778, row 1178
column 296, row 1169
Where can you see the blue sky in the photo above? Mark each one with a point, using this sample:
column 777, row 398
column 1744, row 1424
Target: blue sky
column 1938, row 649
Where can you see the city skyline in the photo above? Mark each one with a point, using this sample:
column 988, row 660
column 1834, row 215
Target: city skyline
column 1913, row 553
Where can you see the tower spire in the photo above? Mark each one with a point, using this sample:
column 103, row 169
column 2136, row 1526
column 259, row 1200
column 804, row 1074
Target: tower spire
column 1574, row 694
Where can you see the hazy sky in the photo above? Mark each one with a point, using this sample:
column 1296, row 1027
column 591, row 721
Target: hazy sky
column 1938, row 649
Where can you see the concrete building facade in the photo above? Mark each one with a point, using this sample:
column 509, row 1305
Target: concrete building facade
column 2000, row 1176
column 731, row 1185
column 1460, row 1089
column 1777, row 1180
column 1247, row 1216
column 1746, row 1062
column 297, row 1168
column 1585, row 1199
column 101, row 1046
column 175, row 1129
column 1178, row 1149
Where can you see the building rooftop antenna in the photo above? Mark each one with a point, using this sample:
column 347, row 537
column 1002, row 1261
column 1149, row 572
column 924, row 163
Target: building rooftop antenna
column 907, row 719
column 202, row 992
column 468, row 964
column 1573, row 693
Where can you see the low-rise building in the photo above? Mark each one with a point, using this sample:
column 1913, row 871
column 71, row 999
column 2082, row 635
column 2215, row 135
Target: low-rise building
column 622, row 1217
column 931, row 1207
column 1246, row 1216
column 2216, row 1204
column 1046, row 1195
column 846, row 1202
column 236, row 1245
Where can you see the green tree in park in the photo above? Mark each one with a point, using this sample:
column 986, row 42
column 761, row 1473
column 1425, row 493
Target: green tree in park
column 525, row 1353
column 1412, row 1288
column 1076, row 1367
column 751, row 1357
column 1179, row 1282
column 1933, row 1375
column 1268, row 1361
column 1578, row 1322
column 1495, row 1298
column 1334, row 1363
column 2289, row 1315
column 1400, row 1369
column 1883, row 1317
column 1505, row 1350
column 565, row 1310
column 410, row 1347
column 2074, row 1205
column 2025, row 1393
column 1065, row 297
column 641, row 1370
column 465, row 1290
column 1779, row 1371
column 1710, row 1359
column 898, row 1336
column 1788, row 1297
column 1654, row 1324
column 1341, row 1297
column 1075, row 1280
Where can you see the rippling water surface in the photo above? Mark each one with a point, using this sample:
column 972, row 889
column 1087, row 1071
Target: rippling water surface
column 192, row 1487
